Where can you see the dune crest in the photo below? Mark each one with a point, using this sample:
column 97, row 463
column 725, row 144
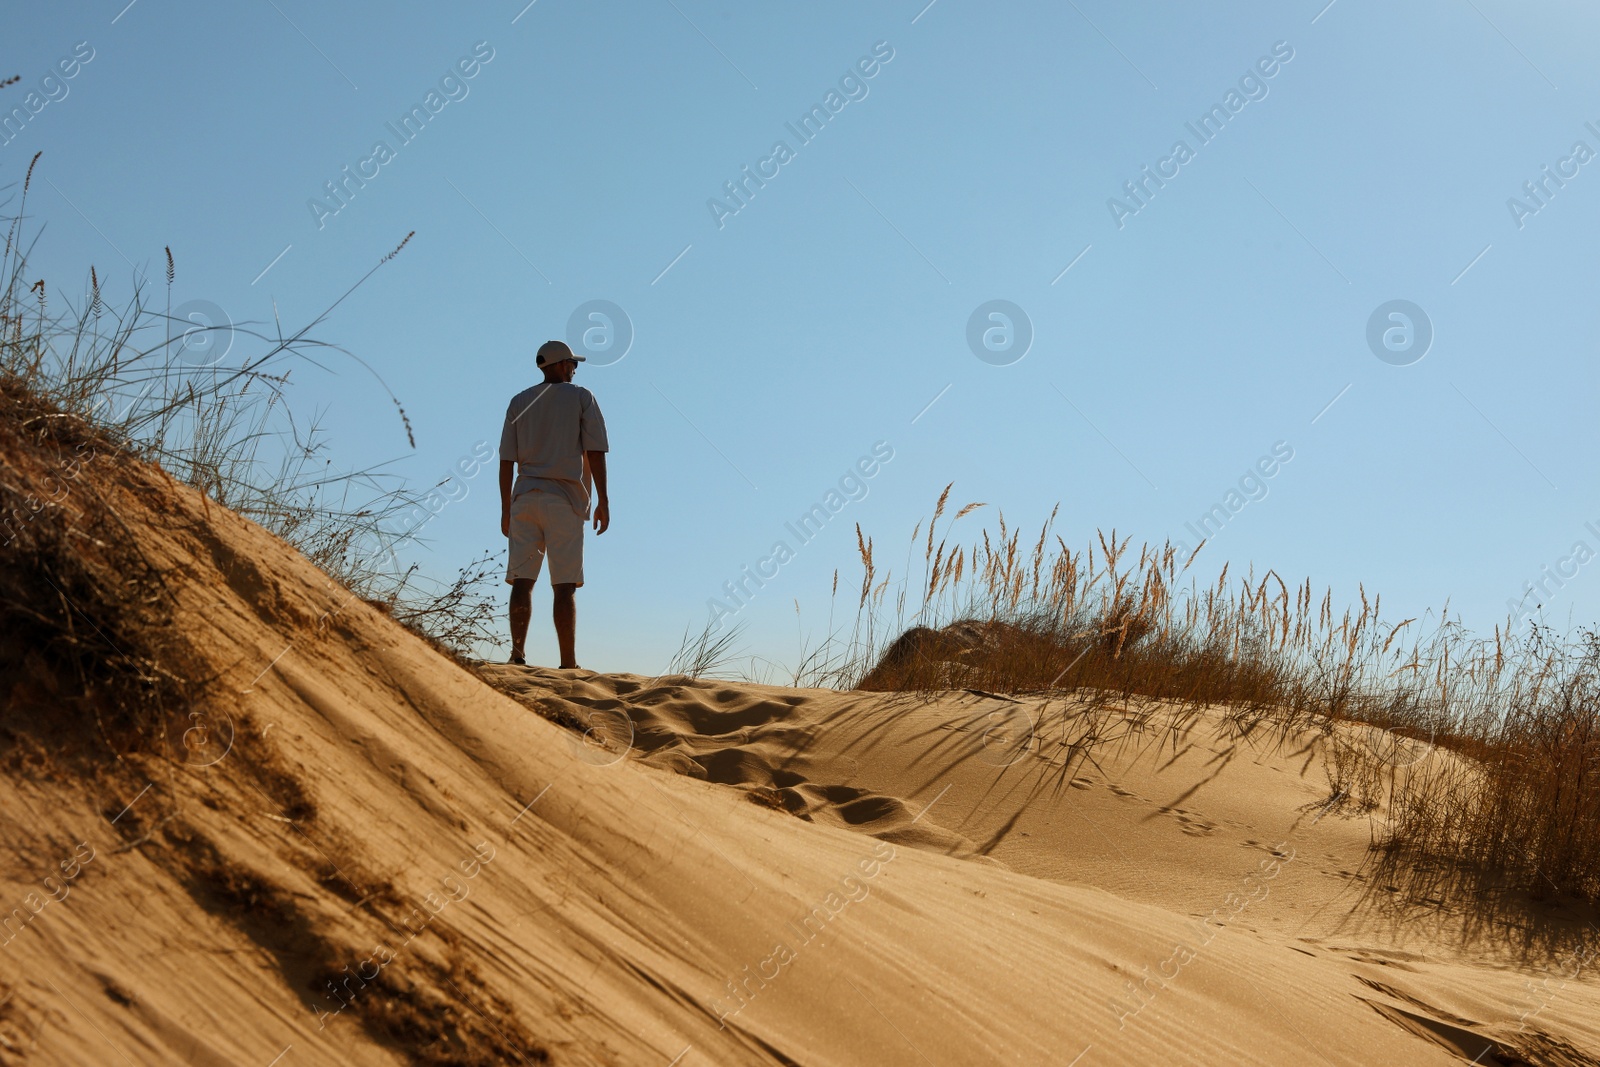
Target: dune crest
column 361, row 853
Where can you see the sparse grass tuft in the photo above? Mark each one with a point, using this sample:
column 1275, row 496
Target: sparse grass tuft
column 87, row 384
column 705, row 655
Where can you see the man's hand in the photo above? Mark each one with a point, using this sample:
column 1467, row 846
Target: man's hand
column 595, row 462
column 507, row 475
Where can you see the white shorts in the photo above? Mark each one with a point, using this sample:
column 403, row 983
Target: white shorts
column 545, row 523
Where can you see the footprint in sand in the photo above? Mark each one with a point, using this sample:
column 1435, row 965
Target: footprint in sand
column 1194, row 825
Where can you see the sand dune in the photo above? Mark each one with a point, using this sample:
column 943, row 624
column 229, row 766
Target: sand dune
column 1179, row 812
column 370, row 856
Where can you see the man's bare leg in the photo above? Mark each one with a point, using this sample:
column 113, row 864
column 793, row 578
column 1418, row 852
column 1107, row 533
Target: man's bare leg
column 564, row 612
column 521, row 611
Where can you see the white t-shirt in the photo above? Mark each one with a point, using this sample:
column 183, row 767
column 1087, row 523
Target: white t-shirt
column 548, row 429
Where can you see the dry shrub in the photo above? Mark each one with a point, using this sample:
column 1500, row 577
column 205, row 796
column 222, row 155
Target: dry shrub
column 1517, row 806
column 1485, row 752
column 453, row 617
column 88, row 651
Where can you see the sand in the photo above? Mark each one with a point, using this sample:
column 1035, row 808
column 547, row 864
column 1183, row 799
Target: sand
column 720, row 873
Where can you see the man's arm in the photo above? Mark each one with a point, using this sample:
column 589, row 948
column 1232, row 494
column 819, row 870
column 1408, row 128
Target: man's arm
column 602, row 502
column 508, row 469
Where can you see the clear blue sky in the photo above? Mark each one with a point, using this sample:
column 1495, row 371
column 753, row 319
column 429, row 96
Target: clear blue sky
column 772, row 352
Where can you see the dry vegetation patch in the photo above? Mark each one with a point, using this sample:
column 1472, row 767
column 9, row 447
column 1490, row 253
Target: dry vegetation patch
column 1483, row 753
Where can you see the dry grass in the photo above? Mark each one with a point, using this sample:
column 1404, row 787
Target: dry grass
column 1485, row 752
column 89, row 651
column 84, row 384
column 453, row 617
column 706, row 655
column 129, row 377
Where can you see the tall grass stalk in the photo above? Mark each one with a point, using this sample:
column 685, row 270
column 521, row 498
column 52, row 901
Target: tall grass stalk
column 1484, row 752
column 223, row 425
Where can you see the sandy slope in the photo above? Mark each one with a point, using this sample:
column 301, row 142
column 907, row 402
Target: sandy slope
column 359, row 802
column 1176, row 812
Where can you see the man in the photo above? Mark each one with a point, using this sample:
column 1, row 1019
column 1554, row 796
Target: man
column 555, row 438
